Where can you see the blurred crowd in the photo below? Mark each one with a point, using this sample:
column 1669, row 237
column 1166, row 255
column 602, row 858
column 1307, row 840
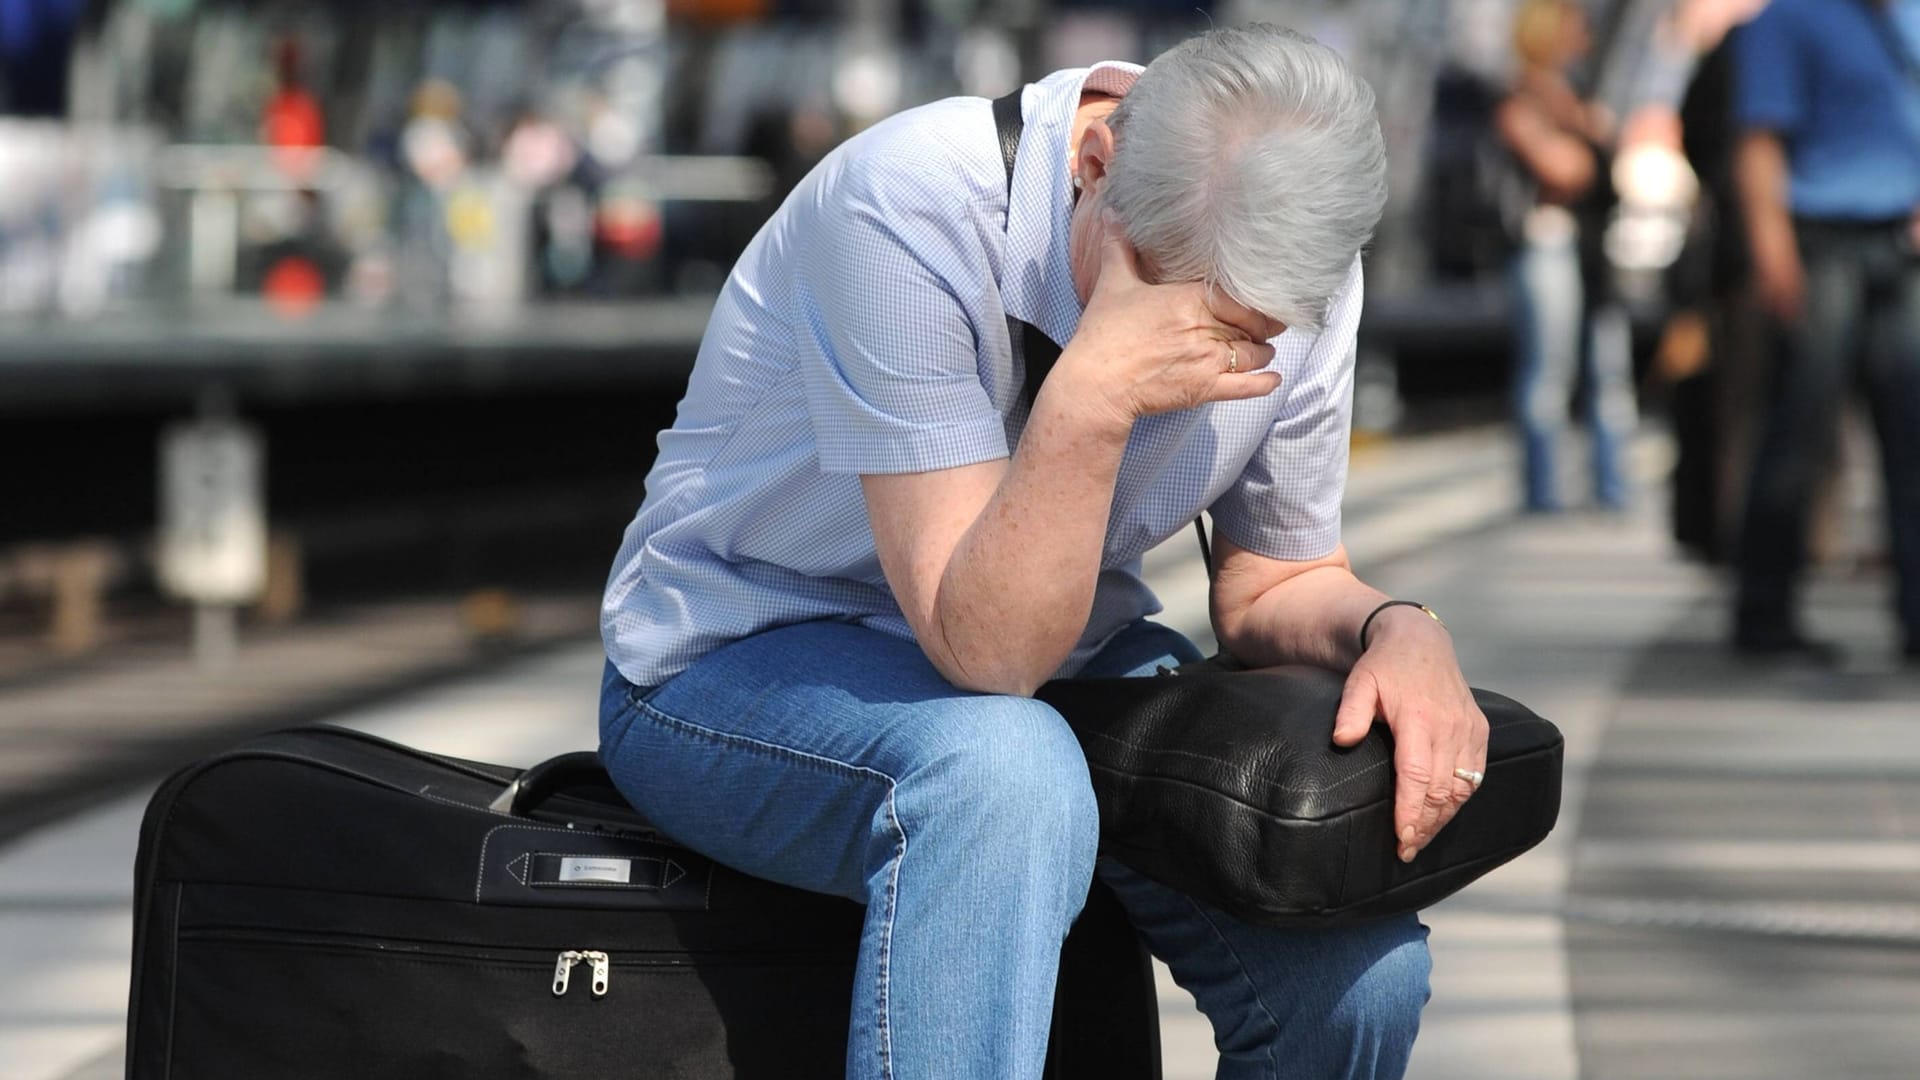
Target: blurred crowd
column 1702, row 206
column 470, row 152
column 414, row 153
column 487, row 152
column 1797, row 281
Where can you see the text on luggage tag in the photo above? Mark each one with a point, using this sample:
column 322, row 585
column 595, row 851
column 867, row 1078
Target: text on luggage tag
column 610, row 871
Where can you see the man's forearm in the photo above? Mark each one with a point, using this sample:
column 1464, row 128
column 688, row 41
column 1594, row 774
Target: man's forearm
column 1015, row 596
column 1761, row 176
column 1313, row 617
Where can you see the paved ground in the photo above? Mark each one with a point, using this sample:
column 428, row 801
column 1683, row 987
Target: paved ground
column 1747, row 896
column 75, row 733
column 1734, row 890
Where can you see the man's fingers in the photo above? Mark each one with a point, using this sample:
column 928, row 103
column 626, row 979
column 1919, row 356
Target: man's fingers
column 1233, row 313
column 1462, row 791
column 1238, row 370
column 1449, row 804
column 1446, row 791
column 1242, row 387
column 1359, row 702
column 1413, row 812
column 1427, row 793
column 1250, row 355
column 1436, row 805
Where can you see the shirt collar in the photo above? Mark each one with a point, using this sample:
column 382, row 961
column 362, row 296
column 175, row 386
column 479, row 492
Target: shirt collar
column 1036, row 282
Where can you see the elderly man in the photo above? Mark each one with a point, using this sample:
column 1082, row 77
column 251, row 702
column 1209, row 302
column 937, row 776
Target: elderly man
column 862, row 549
column 1829, row 174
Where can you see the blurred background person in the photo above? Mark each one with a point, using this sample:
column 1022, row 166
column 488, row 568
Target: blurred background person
column 1828, row 169
column 1713, row 350
column 1565, row 319
column 34, row 38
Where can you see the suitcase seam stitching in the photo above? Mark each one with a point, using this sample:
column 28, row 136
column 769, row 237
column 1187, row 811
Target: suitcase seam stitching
column 425, row 794
column 480, row 876
column 173, row 975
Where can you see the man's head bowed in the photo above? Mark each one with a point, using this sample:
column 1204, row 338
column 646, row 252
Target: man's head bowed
column 1250, row 158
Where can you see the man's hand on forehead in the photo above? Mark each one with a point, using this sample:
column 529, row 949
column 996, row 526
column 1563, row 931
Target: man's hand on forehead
column 1143, row 348
column 1255, row 326
column 1252, row 325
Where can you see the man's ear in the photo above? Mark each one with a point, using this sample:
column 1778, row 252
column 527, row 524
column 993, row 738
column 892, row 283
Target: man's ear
column 1094, row 155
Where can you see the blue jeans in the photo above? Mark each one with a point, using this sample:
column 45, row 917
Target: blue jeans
column 835, row 758
column 1862, row 325
column 1558, row 330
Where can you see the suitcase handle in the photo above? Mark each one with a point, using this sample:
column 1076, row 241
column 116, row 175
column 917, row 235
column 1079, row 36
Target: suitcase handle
column 539, row 783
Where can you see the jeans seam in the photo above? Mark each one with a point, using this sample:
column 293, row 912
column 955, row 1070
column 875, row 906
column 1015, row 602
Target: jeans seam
column 610, row 748
column 631, row 697
column 1273, row 1066
column 886, row 942
column 817, row 762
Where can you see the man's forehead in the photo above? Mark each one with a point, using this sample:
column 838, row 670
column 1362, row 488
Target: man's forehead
column 1216, row 297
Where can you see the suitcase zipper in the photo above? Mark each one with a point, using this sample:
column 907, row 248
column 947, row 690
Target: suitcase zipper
column 600, row 964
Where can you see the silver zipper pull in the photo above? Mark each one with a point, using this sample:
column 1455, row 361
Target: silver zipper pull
column 602, row 968
column 563, row 971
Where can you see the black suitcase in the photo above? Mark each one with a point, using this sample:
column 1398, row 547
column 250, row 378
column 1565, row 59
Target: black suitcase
column 320, row 903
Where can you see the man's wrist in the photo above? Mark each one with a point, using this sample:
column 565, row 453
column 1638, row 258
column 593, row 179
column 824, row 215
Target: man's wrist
column 1397, row 618
column 1084, row 409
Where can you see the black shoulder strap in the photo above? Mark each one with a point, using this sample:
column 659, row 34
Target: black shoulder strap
column 1008, row 122
column 1038, row 349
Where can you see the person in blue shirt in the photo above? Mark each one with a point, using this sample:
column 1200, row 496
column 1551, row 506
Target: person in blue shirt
column 862, row 548
column 1828, row 169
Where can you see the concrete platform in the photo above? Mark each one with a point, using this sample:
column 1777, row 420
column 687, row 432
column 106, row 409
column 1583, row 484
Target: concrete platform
column 1733, row 891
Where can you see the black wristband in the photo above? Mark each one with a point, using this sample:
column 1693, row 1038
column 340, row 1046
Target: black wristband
column 1375, row 613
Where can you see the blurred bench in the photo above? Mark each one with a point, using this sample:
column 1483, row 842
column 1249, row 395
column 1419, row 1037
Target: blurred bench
column 72, row 577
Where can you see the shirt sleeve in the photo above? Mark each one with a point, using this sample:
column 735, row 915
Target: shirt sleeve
column 1286, row 502
column 1770, row 77
column 890, row 355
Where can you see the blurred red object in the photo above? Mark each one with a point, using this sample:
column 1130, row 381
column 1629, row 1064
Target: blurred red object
column 629, row 226
column 717, row 11
column 294, row 287
column 293, row 122
column 294, row 119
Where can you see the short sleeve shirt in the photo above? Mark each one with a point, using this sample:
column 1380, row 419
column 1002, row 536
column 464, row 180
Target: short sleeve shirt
column 868, row 329
column 1837, row 81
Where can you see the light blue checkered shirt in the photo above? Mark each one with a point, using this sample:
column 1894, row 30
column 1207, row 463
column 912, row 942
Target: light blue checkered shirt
column 866, row 330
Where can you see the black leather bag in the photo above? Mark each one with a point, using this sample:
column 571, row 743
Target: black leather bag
column 1227, row 786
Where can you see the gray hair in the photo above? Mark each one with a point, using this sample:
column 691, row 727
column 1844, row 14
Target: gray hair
column 1251, row 159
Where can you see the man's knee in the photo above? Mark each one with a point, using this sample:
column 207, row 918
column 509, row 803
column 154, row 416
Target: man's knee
column 1008, row 775
column 1382, row 1005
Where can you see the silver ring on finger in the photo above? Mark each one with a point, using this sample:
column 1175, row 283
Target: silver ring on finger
column 1471, row 777
column 1233, row 358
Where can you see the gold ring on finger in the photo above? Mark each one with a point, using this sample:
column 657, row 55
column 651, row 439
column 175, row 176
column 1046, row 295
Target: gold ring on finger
column 1233, row 358
column 1471, row 777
